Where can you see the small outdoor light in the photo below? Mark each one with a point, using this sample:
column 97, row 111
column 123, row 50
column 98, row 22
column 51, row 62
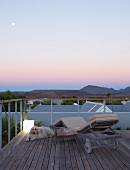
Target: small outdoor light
column 27, row 125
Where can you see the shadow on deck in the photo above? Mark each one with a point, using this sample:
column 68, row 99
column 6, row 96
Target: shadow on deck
column 60, row 154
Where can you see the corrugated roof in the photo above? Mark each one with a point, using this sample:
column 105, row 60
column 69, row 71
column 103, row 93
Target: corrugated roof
column 126, row 107
column 42, row 108
column 115, row 108
column 55, row 108
column 95, row 108
column 86, row 107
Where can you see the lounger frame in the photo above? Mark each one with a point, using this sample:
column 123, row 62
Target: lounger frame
column 100, row 139
column 101, row 133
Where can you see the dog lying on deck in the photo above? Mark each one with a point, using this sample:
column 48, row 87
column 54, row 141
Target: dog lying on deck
column 39, row 132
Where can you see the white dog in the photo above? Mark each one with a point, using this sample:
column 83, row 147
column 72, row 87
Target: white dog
column 39, row 132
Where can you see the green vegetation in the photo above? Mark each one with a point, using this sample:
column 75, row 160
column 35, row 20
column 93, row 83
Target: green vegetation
column 114, row 102
column 38, row 123
column 71, row 102
column 8, row 95
column 46, row 102
column 118, row 128
column 5, row 129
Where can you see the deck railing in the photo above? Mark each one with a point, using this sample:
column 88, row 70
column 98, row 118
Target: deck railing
column 8, row 114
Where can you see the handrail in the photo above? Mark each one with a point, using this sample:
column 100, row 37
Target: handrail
column 11, row 100
column 81, row 98
column 62, row 98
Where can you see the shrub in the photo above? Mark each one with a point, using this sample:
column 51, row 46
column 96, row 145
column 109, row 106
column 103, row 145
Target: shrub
column 5, row 129
column 38, row 123
column 118, row 128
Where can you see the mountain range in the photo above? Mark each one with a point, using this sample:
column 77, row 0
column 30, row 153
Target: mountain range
column 87, row 91
column 104, row 90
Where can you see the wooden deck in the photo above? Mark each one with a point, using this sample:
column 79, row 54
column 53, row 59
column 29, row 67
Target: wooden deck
column 63, row 154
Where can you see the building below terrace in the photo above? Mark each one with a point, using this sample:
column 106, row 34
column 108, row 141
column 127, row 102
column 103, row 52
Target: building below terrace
column 48, row 114
column 86, row 107
column 125, row 107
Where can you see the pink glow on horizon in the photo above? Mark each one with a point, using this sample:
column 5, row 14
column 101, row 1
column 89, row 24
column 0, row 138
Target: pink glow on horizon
column 65, row 72
column 67, row 77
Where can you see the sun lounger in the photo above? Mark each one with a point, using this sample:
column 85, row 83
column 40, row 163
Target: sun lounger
column 97, row 129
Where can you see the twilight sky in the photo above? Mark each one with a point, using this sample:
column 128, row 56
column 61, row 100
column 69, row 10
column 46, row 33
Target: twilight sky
column 64, row 44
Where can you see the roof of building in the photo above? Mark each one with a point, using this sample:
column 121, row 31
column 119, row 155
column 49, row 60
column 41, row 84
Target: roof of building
column 120, row 108
column 86, row 107
column 94, row 109
column 126, row 107
column 115, row 108
column 55, row 108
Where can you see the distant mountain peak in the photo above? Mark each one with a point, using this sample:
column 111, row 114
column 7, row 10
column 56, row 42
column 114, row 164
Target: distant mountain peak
column 92, row 89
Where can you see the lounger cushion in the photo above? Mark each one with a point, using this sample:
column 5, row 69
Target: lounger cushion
column 71, row 122
column 74, row 124
column 104, row 117
column 101, row 119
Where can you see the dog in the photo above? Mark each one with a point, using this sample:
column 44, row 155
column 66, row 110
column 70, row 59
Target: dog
column 39, row 132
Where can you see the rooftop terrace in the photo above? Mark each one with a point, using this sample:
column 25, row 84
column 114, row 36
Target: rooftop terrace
column 57, row 154
column 60, row 154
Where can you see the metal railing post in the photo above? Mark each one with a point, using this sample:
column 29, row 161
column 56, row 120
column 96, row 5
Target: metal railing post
column 8, row 122
column 25, row 105
column 0, row 125
column 104, row 104
column 78, row 108
column 15, row 118
column 51, row 112
column 21, row 121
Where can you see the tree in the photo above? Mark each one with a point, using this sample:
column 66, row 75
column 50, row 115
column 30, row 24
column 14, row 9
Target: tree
column 8, row 95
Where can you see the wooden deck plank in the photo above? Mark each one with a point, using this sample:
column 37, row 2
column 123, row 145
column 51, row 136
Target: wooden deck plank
column 104, row 157
column 77, row 156
column 125, row 156
column 52, row 155
column 88, row 156
column 47, row 156
column 100, row 159
column 11, row 146
column 37, row 154
column 72, row 156
column 22, row 157
column 65, row 154
column 83, row 157
column 96, row 161
column 31, row 154
column 111, row 158
column 57, row 156
column 16, row 151
column 122, row 158
column 42, row 155
column 113, row 154
column 62, row 155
